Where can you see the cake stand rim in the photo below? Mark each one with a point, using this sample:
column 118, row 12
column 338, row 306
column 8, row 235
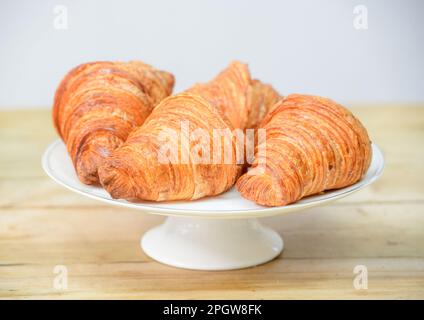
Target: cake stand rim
column 223, row 214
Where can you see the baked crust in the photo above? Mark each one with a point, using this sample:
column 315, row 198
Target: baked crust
column 135, row 171
column 98, row 104
column 313, row 144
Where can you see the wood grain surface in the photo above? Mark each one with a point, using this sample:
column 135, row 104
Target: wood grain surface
column 43, row 225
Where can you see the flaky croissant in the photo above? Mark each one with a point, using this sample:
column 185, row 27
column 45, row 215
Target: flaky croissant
column 312, row 144
column 97, row 105
column 142, row 168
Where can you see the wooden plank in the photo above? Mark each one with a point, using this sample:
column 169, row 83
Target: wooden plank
column 43, row 225
column 100, row 247
column 282, row 279
column 325, row 232
column 398, row 132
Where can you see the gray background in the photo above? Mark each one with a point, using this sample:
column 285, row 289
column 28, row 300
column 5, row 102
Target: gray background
column 298, row 46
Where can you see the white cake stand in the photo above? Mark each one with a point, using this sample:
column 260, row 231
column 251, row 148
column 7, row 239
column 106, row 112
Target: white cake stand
column 217, row 233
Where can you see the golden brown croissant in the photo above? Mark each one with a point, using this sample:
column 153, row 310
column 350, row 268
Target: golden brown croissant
column 261, row 100
column 312, row 144
column 177, row 154
column 97, row 105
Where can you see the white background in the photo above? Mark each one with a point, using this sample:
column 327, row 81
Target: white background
column 298, row 46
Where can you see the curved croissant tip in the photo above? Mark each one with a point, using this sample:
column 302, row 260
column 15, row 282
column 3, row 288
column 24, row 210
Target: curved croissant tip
column 90, row 178
column 170, row 79
column 118, row 183
column 92, row 153
column 261, row 189
column 86, row 169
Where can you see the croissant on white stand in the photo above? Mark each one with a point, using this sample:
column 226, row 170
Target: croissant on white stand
column 312, row 144
column 98, row 104
column 136, row 170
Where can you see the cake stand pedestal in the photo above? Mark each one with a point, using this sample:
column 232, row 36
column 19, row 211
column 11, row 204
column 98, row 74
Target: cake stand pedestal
column 212, row 244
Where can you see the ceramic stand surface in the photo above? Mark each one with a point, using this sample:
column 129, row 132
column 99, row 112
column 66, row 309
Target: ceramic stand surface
column 214, row 233
column 212, row 244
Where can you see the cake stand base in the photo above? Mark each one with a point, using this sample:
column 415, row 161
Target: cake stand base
column 212, row 244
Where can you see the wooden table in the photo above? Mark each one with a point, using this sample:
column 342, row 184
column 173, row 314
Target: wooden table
column 43, row 225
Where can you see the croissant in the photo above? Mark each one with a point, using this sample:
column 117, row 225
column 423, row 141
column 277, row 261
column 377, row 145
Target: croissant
column 261, row 100
column 312, row 144
column 97, row 105
column 170, row 156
